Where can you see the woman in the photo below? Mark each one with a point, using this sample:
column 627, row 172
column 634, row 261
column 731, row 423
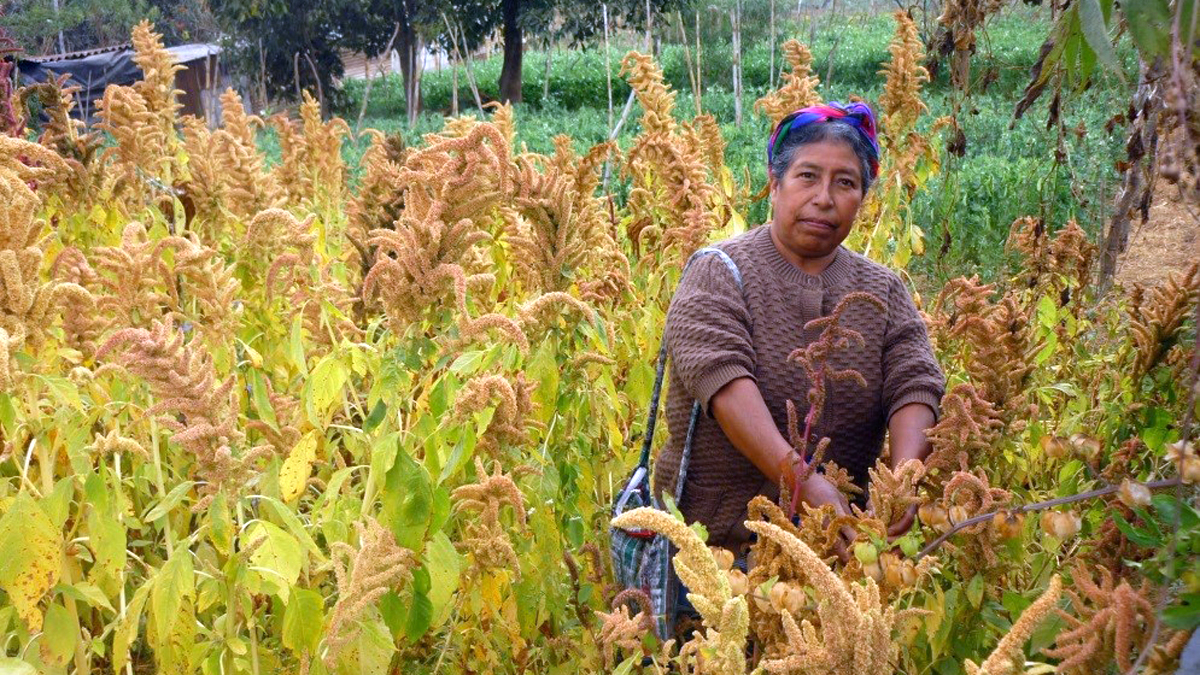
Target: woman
column 729, row 344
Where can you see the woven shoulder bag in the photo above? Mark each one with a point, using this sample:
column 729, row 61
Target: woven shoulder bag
column 642, row 559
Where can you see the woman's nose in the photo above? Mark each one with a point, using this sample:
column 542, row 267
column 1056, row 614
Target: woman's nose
column 824, row 194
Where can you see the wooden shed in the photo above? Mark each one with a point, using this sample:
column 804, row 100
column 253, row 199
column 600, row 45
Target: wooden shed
column 201, row 80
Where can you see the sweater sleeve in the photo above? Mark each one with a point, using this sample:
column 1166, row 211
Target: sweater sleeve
column 911, row 373
column 708, row 331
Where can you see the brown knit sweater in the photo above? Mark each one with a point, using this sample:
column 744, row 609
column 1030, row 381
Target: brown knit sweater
column 715, row 333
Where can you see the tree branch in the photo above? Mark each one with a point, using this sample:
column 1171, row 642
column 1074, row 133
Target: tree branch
column 1038, row 506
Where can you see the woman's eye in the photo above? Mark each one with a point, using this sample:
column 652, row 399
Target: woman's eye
column 807, row 175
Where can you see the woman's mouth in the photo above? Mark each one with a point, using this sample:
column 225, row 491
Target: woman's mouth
column 818, row 223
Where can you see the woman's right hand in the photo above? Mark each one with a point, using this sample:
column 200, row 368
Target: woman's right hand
column 817, row 491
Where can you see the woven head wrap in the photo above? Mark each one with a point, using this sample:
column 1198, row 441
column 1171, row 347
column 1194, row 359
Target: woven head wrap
column 857, row 115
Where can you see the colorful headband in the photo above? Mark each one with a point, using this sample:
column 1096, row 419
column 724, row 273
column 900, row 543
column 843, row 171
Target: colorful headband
column 857, row 115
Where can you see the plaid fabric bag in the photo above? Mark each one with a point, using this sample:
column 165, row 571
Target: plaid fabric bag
column 641, row 558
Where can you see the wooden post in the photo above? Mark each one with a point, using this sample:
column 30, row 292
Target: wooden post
column 262, row 76
column 687, row 58
column 771, row 78
column 546, row 76
column 362, row 111
column 296, row 74
column 699, row 72
column 735, row 20
column 466, row 60
column 607, row 64
column 453, row 84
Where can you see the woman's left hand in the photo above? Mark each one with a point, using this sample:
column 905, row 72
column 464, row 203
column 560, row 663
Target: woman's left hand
column 902, row 525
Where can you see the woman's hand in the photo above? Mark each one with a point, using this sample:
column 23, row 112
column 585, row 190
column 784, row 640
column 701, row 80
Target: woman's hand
column 901, row 526
column 817, row 491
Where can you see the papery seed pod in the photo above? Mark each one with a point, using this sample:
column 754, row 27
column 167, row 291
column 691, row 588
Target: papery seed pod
column 778, row 592
column 1180, row 450
column 1133, row 494
column 959, row 513
column 1190, row 471
column 1086, row 446
column 762, row 602
column 1062, row 525
column 1055, row 447
column 723, row 556
column 934, row 516
column 874, row 571
column 1007, row 525
column 787, row 596
column 893, row 570
column 738, row 583
column 866, row 552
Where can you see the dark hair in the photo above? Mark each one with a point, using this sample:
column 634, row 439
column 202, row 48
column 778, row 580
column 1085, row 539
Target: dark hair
column 831, row 130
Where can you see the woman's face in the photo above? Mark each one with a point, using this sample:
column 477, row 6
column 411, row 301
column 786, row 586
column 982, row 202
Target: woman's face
column 816, row 200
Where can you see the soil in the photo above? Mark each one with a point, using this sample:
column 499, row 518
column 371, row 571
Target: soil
column 1168, row 242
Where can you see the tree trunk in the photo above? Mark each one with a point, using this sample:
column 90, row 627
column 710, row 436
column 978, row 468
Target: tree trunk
column 510, row 73
column 1137, row 185
column 407, row 46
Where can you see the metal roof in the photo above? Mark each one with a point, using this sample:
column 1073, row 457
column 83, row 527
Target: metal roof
column 182, row 53
column 79, row 54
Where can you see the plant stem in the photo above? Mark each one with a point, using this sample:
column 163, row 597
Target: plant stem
column 161, row 484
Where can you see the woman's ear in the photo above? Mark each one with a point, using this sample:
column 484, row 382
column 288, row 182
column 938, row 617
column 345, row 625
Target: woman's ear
column 772, row 183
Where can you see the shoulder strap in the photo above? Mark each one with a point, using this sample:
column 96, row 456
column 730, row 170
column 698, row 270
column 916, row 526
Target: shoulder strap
column 659, row 371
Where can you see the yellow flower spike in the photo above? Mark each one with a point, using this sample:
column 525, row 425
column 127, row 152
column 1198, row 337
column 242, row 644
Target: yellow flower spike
column 1008, row 658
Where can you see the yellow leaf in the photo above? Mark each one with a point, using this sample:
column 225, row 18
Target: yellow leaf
column 293, row 475
column 32, row 559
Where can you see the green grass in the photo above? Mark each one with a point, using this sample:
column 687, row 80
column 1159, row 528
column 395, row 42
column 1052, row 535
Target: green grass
column 1004, row 174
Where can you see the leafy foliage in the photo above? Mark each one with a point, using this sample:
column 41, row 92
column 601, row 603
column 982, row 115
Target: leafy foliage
column 311, row 430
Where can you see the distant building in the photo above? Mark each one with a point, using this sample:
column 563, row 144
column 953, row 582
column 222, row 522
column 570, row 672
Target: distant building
column 201, row 81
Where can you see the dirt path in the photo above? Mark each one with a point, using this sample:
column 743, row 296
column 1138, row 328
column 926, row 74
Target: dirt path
column 1168, row 242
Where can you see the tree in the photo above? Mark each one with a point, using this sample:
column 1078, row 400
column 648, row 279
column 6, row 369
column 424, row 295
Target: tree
column 288, row 46
column 577, row 21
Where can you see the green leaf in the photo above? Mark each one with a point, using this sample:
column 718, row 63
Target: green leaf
column 1149, row 24
column 11, row 666
column 173, row 585
column 975, row 590
column 59, row 634
column 444, row 565
column 220, row 524
column 277, row 559
column 292, row 522
column 407, row 501
column 127, row 628
column 32, row 557
column 1095, row 32
column 394, row 611
column 420, row 609
column 1185, row 615
column 303, row 620
column 296, row 344
column 467, row 362
column 88, row 593
column 169, row 502
column 324, row 387
column 8, row 415
column 375, row 648
column 293, row 474
column 57, row 504
column 1137, row 536
column 376, row 416
column 262, row 402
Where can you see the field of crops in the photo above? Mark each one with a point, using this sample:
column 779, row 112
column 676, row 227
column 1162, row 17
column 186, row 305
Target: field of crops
column 258, row 420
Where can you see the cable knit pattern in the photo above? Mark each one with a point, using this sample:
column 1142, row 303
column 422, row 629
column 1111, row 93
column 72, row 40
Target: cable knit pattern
column 716, row 333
